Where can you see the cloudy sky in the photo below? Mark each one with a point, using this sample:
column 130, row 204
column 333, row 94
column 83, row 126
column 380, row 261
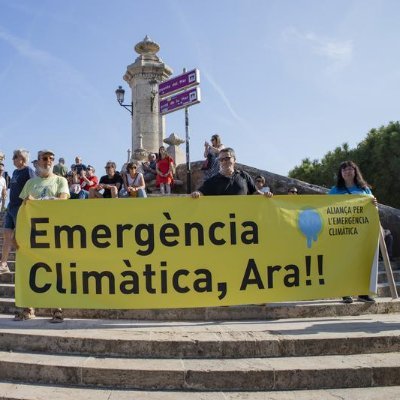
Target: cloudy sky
column 281, row 80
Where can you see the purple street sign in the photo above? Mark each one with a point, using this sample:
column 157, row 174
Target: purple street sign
column 180, row 100
column 180, row 82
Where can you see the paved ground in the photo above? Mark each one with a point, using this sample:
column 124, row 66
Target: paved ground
column 354, row 326
column 30, row 392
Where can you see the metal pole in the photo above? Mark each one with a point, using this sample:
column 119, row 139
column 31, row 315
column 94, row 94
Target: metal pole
column 188, row 171
column 388, row 267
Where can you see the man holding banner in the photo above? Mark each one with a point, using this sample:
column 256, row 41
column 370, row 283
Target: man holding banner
column 46, row 186
column 228, row 181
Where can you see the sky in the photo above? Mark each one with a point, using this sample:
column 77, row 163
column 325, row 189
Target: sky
column 281, row 80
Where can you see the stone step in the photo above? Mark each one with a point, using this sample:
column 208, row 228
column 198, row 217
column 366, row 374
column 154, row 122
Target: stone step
column 384, row 289
column 11, row 256
column 12, row 391
column 289, row 373
column 382, row 277
column 7, row 278
column 301, row 309
column 195, row 340
column 7, row 289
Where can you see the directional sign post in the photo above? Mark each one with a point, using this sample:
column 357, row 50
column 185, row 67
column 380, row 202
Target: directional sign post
column 180, row 92
column 179, row 83
column 180, row 100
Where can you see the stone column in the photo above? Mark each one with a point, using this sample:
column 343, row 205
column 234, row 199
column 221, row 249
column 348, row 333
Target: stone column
column 143, row 76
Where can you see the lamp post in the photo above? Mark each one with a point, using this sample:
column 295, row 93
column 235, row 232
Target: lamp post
column 120, row 93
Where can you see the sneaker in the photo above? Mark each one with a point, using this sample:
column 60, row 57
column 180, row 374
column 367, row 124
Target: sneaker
column 366, row 299
column 24, row 315
column 347, row 299
column 4, row 269
column 57, row 317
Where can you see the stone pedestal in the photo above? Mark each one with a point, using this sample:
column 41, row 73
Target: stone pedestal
column 174, row 150
column 143, row 76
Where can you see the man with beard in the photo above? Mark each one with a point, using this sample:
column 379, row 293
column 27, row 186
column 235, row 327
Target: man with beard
column 46, row 186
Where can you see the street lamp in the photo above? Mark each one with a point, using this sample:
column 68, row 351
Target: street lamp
column 120, row 93
column 153, row 93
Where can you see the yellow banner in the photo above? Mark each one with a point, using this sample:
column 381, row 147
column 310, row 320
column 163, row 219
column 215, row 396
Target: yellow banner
column 183, row 252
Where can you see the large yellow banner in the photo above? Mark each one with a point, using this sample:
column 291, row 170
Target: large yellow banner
column 184, row 252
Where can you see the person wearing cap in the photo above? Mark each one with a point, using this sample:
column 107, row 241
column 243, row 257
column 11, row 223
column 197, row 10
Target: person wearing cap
column 20, row 176
column 60, row 169
column 46, row 186
column 292, row 190
column 3, row 187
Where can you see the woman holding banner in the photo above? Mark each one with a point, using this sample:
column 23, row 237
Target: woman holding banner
column 350, row 181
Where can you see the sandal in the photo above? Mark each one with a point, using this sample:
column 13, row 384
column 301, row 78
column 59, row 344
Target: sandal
column 24, row 315
column 57, row 316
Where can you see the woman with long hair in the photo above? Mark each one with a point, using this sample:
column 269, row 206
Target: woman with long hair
column 350, row 181
column 164, row 168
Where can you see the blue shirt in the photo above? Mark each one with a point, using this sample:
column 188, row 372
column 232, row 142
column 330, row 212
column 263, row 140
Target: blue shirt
column 353, row 190
column 18, row 180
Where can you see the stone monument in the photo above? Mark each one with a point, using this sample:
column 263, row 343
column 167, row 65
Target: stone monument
column 143, row 77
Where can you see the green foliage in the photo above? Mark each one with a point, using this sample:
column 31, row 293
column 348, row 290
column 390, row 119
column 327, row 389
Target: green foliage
column 378, row 157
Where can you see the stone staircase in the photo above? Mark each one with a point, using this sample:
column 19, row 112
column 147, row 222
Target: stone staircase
column 303, row 350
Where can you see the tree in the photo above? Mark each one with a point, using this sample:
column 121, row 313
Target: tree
column 378, row 157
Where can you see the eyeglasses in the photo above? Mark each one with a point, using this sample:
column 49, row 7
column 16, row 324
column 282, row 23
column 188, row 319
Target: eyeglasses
column 348, row 169
column 221, row 159
column 293, row 191
column 47, row 158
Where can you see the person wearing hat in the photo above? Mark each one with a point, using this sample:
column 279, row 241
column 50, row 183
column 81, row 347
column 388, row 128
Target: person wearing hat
column 3, row 187
column 46, row 186
column 60, row 169
column 20, row 176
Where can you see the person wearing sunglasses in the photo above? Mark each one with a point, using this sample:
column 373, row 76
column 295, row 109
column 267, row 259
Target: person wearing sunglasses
column 229, row 180
column 260, row 184
column 46, row 186
column 292, row 190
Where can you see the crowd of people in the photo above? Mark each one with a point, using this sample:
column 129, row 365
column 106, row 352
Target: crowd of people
column 47, row 180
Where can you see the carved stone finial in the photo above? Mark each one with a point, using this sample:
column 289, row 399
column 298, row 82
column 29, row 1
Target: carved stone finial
column 139, row 155
column 173, row 140
column 147, row 46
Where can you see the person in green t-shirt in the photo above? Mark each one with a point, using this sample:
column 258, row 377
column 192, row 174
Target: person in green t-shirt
column 45, row 186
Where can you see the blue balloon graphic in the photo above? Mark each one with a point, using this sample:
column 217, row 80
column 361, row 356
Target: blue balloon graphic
column 310, row 224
